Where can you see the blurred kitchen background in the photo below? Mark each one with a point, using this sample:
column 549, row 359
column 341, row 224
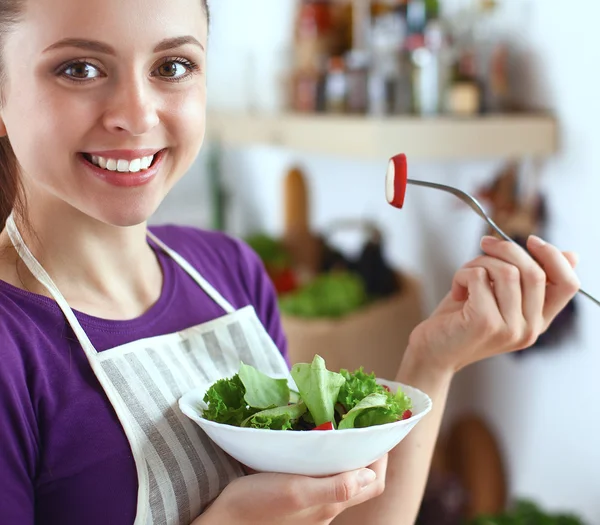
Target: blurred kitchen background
column 309, row 99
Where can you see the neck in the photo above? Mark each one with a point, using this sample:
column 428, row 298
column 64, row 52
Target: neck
column 102, row 270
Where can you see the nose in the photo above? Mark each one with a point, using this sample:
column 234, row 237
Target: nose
column 132, row 109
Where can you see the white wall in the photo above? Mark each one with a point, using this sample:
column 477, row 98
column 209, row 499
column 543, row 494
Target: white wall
column 542, row 407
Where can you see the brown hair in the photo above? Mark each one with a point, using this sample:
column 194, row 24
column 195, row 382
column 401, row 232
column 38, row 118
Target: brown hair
column 11, row 194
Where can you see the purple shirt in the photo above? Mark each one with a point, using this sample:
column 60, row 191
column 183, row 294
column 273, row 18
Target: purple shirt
column 64, row 458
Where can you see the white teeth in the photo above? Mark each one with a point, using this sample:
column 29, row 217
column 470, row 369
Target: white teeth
column 135, row 165
column 121, row 165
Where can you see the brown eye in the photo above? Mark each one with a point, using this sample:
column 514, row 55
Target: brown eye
column 81, row 71
column 175, row 69
column 169, row 69
column 172, row 70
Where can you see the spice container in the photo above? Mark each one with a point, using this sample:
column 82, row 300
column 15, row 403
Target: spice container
column 464, row 97
column 336, row 86
column 385, row 83
column 429, row 74
column 357, row 76
column 314, row 34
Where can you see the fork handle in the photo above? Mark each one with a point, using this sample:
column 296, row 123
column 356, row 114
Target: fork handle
column 506, row 237
column 476, row 207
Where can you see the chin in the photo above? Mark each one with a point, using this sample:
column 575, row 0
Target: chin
column 126, row 216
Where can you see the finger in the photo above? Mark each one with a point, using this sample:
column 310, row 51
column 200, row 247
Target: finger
column 334, row 489
column 572, row 257
column 480, row 311
column 532, row 281
column 506, row 281
column 563, row 283
column 376, row 488
column 473, row 284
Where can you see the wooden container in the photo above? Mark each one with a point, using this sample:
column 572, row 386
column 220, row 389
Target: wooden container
column 374, row 337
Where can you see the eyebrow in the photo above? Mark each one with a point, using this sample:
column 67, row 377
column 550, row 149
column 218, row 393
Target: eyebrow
column 100, row 47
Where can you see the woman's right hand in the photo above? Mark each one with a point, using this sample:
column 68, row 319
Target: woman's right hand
column 285, row 499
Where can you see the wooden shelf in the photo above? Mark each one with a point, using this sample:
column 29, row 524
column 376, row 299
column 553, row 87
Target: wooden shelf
column 430, row 139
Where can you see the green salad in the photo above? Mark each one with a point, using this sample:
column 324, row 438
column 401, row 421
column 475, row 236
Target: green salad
column 325, row 400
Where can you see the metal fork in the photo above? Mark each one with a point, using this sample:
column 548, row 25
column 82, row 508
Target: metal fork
column 478, row 209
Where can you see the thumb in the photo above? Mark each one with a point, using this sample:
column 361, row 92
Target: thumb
column 340, row 488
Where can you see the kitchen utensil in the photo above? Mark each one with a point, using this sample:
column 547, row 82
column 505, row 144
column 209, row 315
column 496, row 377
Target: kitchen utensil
column 397, row 179
column 303, row 246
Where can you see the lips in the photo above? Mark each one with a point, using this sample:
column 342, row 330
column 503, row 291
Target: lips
column 126, row 161
column 121, row 165
column 124, row 168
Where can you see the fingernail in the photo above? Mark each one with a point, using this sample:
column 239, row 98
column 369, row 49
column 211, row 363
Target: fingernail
column 366, row 477
column 489, row 240
column 536, row 241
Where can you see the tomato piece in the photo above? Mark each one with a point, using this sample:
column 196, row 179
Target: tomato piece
column 284, row 281
column 407, row 414
column 396, row 180
column 325, row 426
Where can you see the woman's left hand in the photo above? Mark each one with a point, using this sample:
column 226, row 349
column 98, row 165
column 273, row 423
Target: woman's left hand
column 500, row 302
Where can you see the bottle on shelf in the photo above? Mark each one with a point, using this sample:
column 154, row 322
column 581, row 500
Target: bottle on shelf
column 464, row 94
column 357, row 79
column 336, row 86
column 313, row 37
column 430, row 69
column 389, row 75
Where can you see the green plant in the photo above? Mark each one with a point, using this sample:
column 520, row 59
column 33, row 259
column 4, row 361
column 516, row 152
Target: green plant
column 527, row 513
column 329, row 295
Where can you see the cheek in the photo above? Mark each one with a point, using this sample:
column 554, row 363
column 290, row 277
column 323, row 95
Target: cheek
column 188, row 121
column 187, row 125
column 41, row 130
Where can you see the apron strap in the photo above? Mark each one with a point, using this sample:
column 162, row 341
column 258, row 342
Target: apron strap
column 194, row 274
column 42, row 276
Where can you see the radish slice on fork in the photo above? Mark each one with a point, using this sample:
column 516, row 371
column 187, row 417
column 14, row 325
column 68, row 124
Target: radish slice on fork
column 396, row 180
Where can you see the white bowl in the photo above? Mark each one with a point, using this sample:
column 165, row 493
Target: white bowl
column 310, row 453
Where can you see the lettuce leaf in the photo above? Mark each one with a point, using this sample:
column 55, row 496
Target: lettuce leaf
column 402, row 401
column 376, row 409
column 358, row 385
column 364, row 407
column 319, row 388
column 226, row 403
column 263, row 391
column 279, row 418
column 253, row 399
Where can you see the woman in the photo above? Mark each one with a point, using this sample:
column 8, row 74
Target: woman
column 103, row 325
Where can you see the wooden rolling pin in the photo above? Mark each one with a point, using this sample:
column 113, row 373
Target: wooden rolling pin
column 303, row 246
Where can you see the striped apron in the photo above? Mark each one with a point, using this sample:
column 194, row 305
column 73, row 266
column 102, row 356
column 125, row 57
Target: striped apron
column 180, row 470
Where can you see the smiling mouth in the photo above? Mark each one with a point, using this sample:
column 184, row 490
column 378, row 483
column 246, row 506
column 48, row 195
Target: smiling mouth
column 122, row 165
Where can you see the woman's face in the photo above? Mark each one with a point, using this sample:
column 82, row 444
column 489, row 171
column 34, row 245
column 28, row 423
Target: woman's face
column 104, row 102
